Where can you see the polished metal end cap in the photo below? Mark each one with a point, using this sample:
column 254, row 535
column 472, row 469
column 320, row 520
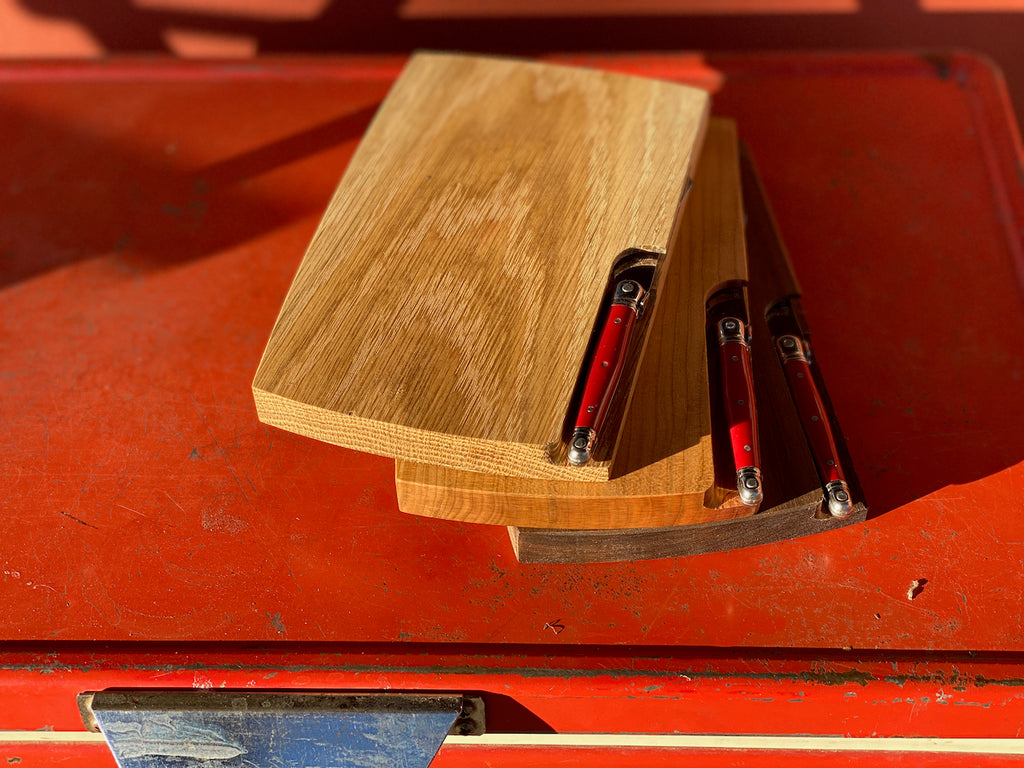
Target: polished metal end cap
column 748, row 483
column 840, row 504
column 732, row 329
column 791, row 347
column 581, row 445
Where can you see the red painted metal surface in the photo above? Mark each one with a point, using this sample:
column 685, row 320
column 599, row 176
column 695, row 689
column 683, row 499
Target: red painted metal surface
column 545, row 689
column 153, row 214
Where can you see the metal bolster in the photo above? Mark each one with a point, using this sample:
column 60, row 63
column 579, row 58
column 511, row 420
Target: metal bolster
column 791, row 348
column 748, row 484
column 839, row 501
column 629, row 293
column 581, row 446
column 732, row 330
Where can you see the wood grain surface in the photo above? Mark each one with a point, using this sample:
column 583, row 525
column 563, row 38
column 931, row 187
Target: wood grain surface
column 664, row 470
column 443, row 309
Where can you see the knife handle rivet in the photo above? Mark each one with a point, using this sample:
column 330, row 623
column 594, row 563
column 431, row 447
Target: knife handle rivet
column 591, row 408
column 735, row 358
column 831, row 463
column 739, row 402
column 579, row 442
column 746, row 448
column 799, row 375
column 618, row 320
column 814, row 418
column 604, row 363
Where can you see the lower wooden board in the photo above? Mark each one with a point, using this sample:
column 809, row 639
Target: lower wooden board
column 798, row 517
column 664, row 471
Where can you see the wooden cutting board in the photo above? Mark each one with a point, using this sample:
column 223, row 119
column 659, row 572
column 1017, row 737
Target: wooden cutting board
column 665, row 470
column 443, row 309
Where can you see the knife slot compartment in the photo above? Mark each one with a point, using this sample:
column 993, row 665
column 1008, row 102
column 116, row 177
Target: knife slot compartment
column 633, row 264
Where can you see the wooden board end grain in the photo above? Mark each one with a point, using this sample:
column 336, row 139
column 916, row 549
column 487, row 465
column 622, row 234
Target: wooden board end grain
column 664, row 471
column 443, row 309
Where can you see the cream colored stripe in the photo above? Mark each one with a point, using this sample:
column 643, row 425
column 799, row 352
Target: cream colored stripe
column 745, row 741
column 652, row 741
column 49, row 737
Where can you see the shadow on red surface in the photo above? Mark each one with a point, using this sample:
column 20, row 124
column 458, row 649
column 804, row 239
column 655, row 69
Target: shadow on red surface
column 74, row 192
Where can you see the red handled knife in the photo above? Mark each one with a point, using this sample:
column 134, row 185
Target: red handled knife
column 627, row 304
column 792, row 340
column 728, row 312
column 793, row 352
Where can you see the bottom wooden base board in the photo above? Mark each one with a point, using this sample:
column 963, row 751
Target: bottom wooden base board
column 801, row 516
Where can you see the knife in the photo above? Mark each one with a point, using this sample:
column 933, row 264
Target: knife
column 632, row 278
column 727, row 312
column 791, row 339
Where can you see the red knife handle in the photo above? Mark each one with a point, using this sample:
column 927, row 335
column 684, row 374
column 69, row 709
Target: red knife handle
column 605, row 370
column 740, row 408
column 815, row 422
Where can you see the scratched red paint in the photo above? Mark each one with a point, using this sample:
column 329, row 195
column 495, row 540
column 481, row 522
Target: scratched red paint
column 152, row 217
column 543, row 689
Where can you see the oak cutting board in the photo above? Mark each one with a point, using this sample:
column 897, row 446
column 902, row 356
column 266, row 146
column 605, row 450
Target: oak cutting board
column 665, row 470
column 443, row 309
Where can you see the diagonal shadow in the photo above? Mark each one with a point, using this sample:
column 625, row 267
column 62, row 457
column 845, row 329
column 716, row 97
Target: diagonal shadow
column 886, row 199
column 70, row 193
